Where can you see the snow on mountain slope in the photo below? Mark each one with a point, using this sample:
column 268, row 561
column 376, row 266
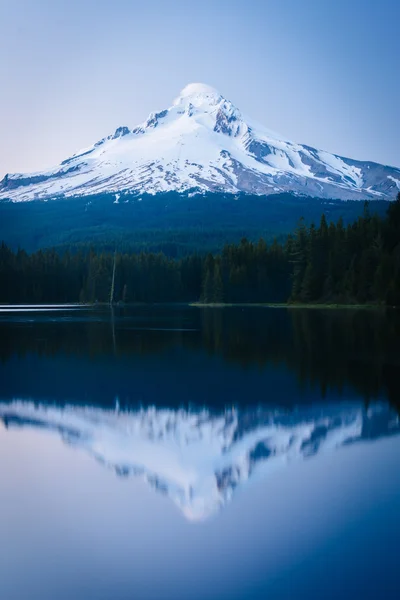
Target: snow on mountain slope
column 199, row 458
column 203, row 143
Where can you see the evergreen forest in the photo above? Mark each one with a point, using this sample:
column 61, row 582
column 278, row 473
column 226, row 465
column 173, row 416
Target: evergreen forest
column 328, row 262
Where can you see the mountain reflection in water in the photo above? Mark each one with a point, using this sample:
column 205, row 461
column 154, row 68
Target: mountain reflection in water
column 199, row 458
column 276, row 429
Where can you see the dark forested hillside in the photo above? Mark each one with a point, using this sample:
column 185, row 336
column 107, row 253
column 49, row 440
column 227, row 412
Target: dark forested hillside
column 172, row 223
column 329, row 262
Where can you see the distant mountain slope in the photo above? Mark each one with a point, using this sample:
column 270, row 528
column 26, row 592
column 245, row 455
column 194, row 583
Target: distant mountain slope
column 203, row 143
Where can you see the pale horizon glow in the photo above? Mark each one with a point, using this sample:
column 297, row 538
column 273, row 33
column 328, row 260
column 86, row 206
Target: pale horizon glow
column 322, row 74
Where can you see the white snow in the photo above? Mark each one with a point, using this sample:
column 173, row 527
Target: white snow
column 373, row 192
column 201, row 142
column 396, row 181
column 197, row 93
column 338, row 166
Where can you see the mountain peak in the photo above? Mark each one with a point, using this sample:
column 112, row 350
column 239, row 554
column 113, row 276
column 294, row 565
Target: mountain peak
column 203, row 143
column 196, row 94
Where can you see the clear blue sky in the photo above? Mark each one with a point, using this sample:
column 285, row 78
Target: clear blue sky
column 321, row 72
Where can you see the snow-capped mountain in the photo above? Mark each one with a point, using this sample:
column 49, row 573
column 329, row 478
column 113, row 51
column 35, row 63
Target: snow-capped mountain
column 199, row 458
column 203, row 143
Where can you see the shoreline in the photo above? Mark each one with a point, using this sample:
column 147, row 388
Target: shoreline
column 330, row 306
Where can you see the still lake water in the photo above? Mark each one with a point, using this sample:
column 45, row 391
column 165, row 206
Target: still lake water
column 187, row 453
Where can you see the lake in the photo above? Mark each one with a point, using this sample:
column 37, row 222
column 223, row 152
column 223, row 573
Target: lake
column 205, row 453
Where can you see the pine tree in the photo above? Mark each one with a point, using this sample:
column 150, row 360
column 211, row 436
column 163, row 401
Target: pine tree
column 299, row 259
column 208, row 280
column 218, row 291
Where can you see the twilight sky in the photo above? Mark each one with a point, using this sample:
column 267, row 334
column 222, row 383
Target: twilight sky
column 321, row 72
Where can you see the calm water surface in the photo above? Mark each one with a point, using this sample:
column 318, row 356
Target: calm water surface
column 176, row 452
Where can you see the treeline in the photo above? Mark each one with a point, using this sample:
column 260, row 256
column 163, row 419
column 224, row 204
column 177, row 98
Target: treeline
column 357, row 263
column 48, row 277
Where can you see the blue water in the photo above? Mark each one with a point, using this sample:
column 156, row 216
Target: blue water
column 324, row 524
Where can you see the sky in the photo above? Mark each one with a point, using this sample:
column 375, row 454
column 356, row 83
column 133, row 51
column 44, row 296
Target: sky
column 322, row 72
